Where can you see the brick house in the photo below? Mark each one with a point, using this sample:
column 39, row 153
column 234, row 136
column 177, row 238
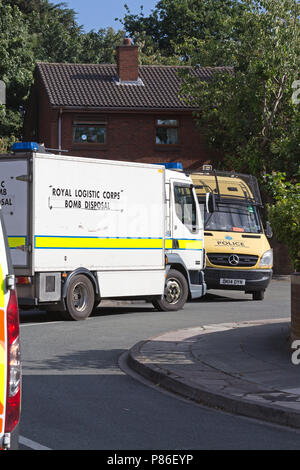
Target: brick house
column 121, row 112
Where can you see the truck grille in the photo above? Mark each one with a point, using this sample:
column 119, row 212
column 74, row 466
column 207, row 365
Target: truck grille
column 232, row 259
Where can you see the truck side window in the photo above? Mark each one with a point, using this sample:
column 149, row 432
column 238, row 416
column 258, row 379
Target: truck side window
column 185, row 205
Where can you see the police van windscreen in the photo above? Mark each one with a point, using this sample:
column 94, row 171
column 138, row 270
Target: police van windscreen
column 233, row 218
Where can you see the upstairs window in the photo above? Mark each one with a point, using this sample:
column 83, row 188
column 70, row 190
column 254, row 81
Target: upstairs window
column 89, row 131
column 166, row 132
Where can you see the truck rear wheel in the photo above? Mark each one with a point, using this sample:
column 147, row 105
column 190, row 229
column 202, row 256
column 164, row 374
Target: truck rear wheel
column 80, row 299
column 176, row 292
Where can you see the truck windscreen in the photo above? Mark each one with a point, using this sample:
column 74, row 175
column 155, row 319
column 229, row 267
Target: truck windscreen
column 233, row 218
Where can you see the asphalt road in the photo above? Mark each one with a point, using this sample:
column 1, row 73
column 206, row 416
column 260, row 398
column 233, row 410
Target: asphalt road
column 75, row 396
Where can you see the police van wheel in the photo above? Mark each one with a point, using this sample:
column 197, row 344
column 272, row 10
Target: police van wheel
column 176, row 292
column 80, row 298
column 258, row 295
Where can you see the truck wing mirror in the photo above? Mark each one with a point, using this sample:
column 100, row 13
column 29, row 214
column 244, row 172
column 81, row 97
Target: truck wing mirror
column 211, row 202
column 269, row 231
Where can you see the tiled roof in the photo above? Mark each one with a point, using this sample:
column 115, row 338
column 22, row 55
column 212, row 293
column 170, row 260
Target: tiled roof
column 80, row 85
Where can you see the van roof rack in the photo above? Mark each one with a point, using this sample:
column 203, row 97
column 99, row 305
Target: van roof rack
column 227, row 186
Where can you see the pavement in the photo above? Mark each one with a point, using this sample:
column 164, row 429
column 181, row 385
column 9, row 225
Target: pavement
column 243, row 368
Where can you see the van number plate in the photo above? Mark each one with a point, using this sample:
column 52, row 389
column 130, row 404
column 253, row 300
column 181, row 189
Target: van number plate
column 232, row 282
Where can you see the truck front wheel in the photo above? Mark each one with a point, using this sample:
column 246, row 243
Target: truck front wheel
column 176, row 292
column 80, row 298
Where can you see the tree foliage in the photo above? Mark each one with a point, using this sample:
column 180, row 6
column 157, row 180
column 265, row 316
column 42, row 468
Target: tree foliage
column 249, row 114
column 246, row 111
column 172, row 22
column 16, row 66
column 99, row 47
column 54, row 31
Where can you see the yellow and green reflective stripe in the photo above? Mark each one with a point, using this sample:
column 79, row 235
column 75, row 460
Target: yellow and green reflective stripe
column 169, row 244
column 45, row 242
column 183, row 244
column 97, row 243
column 190, row 244
column 13, row 242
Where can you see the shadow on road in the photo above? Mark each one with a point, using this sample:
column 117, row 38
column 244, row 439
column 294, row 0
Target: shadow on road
column 41, row 316
column 82, row 360
column 38, row 316
column 212, row 297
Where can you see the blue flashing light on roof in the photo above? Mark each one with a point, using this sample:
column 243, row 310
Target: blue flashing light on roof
column 25, row 147
column 172, row 165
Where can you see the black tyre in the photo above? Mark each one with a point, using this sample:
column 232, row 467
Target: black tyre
column 80, row 299
column 258, row 295
column 176, row 292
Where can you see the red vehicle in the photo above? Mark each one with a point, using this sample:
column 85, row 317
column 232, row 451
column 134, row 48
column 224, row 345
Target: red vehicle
column 10, row 363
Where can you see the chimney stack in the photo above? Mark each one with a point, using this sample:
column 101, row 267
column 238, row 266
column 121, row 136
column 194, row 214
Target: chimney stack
column 127, row 61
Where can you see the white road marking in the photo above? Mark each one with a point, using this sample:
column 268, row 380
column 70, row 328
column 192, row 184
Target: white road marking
column 31, row 444
column 22, row 325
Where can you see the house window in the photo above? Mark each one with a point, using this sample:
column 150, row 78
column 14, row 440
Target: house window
column 166, row 132
column 86, row 131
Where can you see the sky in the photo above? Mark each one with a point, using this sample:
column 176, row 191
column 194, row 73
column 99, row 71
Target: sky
column 96, row 14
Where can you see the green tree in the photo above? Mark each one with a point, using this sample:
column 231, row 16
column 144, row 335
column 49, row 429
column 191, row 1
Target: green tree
column 248, row 112
column 54, row 31
column 171, row 22
column 53, row 28
column 149, row 54
column 99, row 47
column 37, row 30
column 16, row 66
column 30, row 31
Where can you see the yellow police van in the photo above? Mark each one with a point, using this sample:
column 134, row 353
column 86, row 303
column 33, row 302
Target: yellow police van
column 238, row 254
column 10, row 365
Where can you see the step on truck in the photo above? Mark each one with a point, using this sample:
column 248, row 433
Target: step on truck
column 81, row 230
column 238, row 254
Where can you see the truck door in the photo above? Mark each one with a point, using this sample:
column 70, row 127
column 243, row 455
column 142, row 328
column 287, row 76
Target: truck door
column 186, row 225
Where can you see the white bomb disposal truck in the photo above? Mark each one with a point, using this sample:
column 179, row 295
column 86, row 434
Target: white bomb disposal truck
column 82, row 230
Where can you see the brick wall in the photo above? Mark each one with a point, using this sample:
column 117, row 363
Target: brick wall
column 131, row 137
column 127, row 62
column 41, row 121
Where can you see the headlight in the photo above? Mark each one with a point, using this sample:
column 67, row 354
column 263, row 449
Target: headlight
column 266, row 259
